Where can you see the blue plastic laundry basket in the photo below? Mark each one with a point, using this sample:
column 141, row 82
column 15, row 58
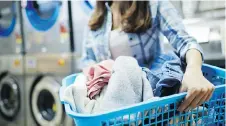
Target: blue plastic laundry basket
column 162, row 111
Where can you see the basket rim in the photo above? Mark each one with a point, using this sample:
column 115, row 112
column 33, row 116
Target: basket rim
column 138, row 107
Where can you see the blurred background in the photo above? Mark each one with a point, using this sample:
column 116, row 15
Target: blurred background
column 41, row 42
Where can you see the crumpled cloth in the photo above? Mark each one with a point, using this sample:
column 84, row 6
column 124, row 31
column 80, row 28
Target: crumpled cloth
column 98, row 76
column 128, row 85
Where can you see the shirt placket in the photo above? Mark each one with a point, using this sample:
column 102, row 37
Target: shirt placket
column 107, row 33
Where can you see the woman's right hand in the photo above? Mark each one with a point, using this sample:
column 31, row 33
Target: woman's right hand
column 198, row 88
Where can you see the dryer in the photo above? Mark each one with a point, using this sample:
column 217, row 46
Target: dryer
column 47, row 60
column 80, row 13
column 12, row 105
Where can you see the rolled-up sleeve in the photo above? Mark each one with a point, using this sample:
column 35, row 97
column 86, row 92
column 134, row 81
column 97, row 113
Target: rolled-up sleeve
column 172, row 27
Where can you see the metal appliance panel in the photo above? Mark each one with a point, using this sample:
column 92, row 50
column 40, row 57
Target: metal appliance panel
column 48, row 63
column 47, row 53
column 81, row 11
column 54, row 40
column 10, row 43
column 4, row 63
column 80, row 17
column 16, row 65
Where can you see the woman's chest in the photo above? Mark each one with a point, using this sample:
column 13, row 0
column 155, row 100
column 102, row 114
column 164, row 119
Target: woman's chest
column 142, row 45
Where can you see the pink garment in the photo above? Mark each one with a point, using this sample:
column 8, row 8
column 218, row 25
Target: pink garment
column 98, row 76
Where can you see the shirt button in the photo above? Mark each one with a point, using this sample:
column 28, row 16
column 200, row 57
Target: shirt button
column 130, row 38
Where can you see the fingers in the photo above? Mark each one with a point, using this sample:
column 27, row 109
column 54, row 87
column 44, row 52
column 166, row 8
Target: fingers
column 207, row 96
column 197, row 99
column 203, row 99
column 211, row 93
column 188, row 99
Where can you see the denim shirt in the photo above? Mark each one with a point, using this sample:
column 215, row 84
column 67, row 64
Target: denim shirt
column 147, row 45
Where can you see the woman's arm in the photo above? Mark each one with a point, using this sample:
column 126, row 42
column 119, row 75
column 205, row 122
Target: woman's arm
column 194, row 59
column 172, row 27
column 199, row 89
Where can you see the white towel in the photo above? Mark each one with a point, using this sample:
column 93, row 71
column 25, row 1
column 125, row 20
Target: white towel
column 128, row 85
column 76, row 95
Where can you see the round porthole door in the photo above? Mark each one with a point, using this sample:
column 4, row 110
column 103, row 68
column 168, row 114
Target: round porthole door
column 42, row 14
column 9, row 97
column 7, row 17
column 45, row 102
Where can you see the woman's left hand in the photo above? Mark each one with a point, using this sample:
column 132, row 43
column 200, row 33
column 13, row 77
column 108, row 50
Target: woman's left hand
column 198, row 88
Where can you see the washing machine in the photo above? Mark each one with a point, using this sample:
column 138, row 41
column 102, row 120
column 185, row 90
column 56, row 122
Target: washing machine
column 43, row 80
column 80, row 14
column 47, row 60
column 12, row 104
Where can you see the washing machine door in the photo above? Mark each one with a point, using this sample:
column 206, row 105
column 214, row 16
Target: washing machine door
column 42, row 14
column 45, row 102
column 7, row 17
column 9, row 97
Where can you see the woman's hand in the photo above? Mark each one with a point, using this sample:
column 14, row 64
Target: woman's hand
column 198, row 88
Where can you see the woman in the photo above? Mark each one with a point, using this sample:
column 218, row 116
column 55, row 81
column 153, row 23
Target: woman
column 133, row 28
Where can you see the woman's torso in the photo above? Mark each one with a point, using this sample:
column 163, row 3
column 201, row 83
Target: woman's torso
column 144, row 46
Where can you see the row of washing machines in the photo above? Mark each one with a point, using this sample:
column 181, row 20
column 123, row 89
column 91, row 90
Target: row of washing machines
column 40, row 42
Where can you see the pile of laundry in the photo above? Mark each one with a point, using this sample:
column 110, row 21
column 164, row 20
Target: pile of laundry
column 110, row 84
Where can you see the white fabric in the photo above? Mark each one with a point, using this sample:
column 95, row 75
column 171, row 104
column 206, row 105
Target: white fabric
column 128, row 85
column 119, row 44
column 76, row 95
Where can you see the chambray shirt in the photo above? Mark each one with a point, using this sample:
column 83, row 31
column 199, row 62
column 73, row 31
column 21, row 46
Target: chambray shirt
column 145, row 46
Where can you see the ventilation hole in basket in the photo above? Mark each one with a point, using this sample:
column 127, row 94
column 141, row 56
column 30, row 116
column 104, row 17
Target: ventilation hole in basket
column 146, row 113
column 145, row 117
column 103, row 123
column 125, row 120
column 153, row 113
column 151, row 116
column 118, row 120
column 164, row 115
column 133, row 118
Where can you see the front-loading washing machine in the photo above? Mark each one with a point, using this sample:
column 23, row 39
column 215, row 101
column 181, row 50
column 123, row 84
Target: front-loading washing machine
column 80, row 14
column 43, row 80
column 12, row 105
column 47, row 60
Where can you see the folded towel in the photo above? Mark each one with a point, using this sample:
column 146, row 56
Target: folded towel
column 98, row 76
